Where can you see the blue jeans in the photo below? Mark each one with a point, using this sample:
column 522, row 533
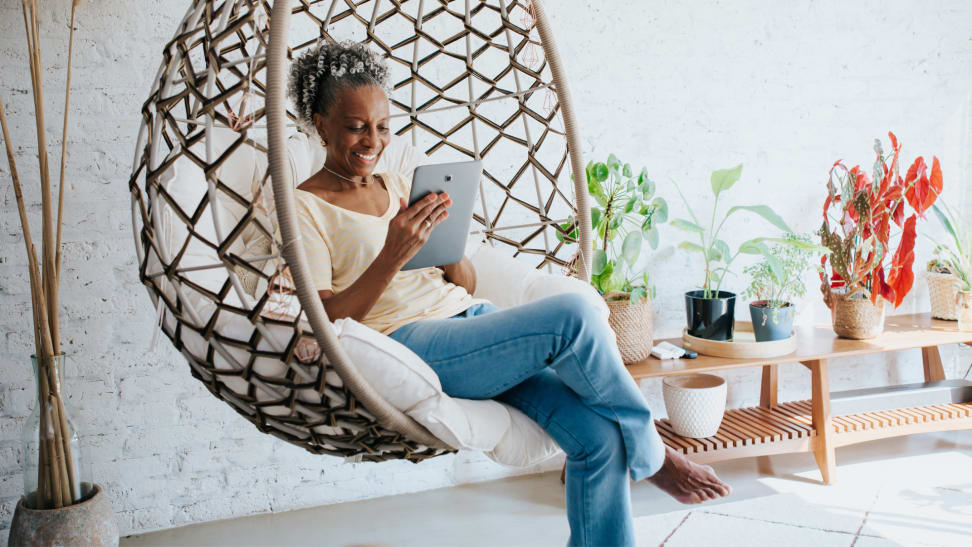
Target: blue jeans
column 556, row 361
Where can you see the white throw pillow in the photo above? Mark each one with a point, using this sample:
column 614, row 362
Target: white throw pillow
column 507, row 282
column 411, row 386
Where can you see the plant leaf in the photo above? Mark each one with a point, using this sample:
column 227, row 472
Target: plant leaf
column 723, row 179
column 612, row 161
column 600, row 172
column 797, row 244
column 638, row 294
column 689, row 246
column 661, row 210
column 626, row 170
column 647, row 188
column 630, row 205
column 600, row 262
column 595, row 216
column 723, row 249
column 902, row 275
column 687, row 226
column 754, row 247
column 652, row 235
column 764, row 211
column 631, row 247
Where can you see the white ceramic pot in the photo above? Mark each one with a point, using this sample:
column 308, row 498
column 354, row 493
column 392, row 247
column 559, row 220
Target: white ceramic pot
column 695, row 403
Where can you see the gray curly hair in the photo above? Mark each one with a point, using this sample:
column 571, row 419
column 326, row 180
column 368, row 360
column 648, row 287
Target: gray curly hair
column 320, row 73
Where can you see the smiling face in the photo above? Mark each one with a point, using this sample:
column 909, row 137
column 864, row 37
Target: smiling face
column 356, row 130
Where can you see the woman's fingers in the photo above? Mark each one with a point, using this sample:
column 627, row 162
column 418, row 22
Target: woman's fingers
column 426, row 205
column 439, row 215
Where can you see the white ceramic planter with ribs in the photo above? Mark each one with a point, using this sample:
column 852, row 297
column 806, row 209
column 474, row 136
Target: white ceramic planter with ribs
column 695, row 403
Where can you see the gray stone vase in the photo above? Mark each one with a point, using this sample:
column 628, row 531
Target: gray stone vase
column 90, row 522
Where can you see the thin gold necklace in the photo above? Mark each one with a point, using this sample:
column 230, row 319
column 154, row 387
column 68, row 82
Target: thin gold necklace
column 340, row 176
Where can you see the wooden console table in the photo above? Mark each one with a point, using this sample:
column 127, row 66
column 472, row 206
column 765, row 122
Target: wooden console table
column 808, row 426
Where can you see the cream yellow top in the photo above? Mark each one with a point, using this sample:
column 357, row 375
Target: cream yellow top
column 341, row 244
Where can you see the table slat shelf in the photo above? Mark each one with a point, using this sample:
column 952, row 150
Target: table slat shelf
column 788, row 427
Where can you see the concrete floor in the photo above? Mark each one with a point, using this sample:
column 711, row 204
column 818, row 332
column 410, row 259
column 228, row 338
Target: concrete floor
column 913, row 490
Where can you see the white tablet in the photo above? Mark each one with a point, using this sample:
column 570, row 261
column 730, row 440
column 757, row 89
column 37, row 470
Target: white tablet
column 447, row 242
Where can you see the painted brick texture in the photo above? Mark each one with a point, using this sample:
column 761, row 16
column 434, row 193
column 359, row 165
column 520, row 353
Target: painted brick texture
column 785, row 88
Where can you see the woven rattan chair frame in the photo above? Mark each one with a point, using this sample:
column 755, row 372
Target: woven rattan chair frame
column 226, row 68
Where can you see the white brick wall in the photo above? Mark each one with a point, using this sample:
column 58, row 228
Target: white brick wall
column 682, row 88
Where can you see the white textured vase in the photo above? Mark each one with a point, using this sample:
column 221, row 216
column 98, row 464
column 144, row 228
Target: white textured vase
column 695, row 403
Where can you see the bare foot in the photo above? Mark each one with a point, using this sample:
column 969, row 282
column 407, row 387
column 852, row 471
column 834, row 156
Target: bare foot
column 688, row 482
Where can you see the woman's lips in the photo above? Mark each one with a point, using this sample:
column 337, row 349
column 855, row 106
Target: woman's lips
column 366, row 158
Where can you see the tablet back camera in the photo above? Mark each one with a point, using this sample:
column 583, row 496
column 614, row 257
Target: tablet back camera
column 448, row 178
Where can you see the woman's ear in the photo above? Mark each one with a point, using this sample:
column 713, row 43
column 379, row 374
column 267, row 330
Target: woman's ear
column 321, row 130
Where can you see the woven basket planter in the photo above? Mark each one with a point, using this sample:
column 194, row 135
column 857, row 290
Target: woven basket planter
column 632, row 325
column 964, row 310
column 943, row 293
column 857, row 318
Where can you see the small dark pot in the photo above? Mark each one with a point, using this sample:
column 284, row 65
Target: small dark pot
column 771, row 323
column 710, row 318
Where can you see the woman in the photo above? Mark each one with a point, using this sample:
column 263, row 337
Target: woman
column 553, row 359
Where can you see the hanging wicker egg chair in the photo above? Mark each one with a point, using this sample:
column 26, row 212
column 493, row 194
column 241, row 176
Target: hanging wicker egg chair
column 471, row 80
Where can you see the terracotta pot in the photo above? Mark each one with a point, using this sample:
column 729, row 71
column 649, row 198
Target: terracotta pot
column 856, row 318
column 963, row 306
column 90, row 522
column 632, row 325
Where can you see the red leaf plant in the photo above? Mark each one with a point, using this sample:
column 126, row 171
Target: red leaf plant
column 866, row 256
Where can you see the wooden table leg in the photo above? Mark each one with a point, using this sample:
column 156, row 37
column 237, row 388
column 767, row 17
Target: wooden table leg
column 931, row 361
column 767, row 394
column 823, row 445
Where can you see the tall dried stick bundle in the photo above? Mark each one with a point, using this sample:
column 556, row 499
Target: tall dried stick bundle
column 57, row 481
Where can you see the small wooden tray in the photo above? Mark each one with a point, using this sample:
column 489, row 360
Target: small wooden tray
column 743, row 344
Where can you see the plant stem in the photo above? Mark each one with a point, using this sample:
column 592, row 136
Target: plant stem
column 607, row 221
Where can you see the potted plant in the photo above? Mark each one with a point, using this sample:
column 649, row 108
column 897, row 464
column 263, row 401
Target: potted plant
column 943, row 290
column 774, row 289
column 60, row 504
column 710, row 311
column 867, row 261
column 955, row 263
column 627, row 214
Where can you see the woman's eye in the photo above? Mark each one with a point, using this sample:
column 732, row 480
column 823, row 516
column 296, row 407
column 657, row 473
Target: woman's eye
column 358, row 128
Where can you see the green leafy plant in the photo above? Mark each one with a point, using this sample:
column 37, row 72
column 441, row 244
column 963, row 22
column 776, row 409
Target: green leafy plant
column 715, row 252
column 778, row 288
column 627, row 214
column 957, row 257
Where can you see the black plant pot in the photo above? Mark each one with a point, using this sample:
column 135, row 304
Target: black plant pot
column 771, row 323
column 710, row 318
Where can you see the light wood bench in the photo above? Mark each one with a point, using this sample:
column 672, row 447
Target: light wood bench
column 808, row 426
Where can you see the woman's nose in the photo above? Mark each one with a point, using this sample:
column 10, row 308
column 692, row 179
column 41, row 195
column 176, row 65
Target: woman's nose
column 371, row 137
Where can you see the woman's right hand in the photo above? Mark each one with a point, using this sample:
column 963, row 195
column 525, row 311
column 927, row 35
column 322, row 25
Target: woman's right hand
column 410, row 228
